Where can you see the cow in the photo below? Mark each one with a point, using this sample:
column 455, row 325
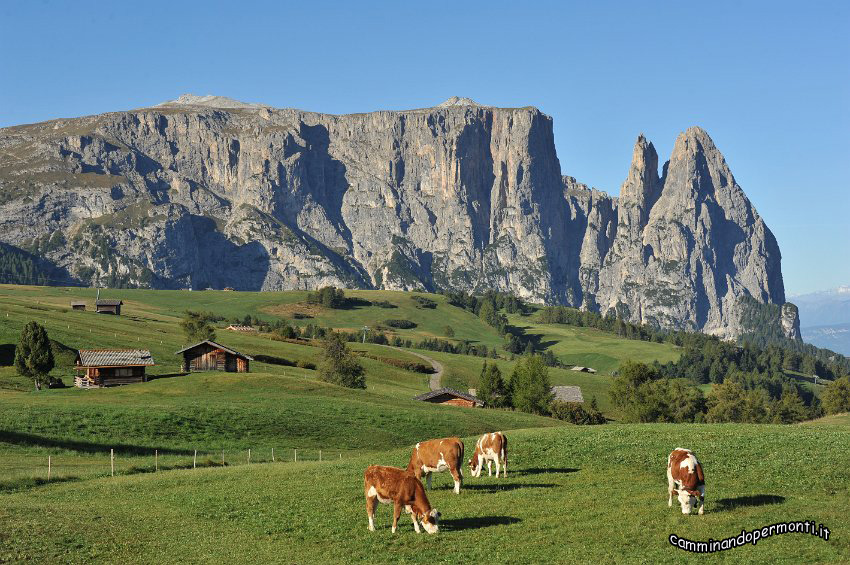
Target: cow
column 397, row 486
column 438, row 455
column 685, row 479
column 491, row 448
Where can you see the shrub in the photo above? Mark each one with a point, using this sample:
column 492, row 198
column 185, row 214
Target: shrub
column 384, row 304
column 449, row 331
column 339, row 365
column 423, row 301
column 575, row 412
column 836, row 397
column 301, row 316
column 301, row 364
column 401, row 324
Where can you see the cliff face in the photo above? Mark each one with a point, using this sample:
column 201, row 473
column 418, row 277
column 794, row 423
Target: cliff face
column 204, row 192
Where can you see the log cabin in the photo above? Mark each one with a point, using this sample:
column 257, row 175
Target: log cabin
column 111, row 367
column 211, row 356
column 451, row 397
column 78, row 305
column 108, row 306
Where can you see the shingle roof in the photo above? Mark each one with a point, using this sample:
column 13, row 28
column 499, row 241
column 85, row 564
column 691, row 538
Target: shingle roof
column 567, row 393
column 108, row 302
column 115, row 357
column 217, row 346
column 78, row 303
column 450, row 391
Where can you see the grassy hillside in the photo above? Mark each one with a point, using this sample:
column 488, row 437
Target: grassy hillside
column 573, row 494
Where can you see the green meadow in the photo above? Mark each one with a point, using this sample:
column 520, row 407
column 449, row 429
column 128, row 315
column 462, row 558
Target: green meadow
column 185, row 490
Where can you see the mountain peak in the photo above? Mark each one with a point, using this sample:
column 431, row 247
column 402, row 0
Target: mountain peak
column 458, row 101
column 208, row 101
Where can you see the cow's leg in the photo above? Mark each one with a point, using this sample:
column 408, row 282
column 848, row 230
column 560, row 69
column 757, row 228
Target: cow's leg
column 396, row 514
column 457, row 475
column 671, row 488
column 428, row 480
column 504, row 463
column 371, row 504
column 498, row 467
column 489, row 467
column 701, row 504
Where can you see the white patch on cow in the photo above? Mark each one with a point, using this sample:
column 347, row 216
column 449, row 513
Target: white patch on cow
column 416, row 524
column 689, row 463
column 408, row 509
column 457, row 487
column 374, row 493
column 687, row 501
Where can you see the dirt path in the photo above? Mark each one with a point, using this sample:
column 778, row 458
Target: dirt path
column 434, row 382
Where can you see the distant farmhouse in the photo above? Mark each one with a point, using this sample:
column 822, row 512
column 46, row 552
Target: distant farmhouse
column 78, row 305
column 108, row 306
column 567, row 393
column 584, row 369
column 111, row 367
column 240, row 328
column 211, row 356
column 451, row 397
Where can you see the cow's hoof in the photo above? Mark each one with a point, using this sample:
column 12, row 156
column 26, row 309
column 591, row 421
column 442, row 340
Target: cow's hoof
column 700, row 512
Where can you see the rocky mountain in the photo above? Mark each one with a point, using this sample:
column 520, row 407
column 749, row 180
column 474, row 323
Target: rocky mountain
column 211, row 192
column 825, row 318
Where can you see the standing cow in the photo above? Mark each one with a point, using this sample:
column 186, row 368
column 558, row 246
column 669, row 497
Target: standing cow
column 685, row 479
column 491, row 448
column 397, row 486
column 438, row 455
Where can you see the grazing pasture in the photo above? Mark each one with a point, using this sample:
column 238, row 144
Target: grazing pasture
column 573, row 494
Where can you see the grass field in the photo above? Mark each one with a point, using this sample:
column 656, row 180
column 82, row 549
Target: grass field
column 572, row 494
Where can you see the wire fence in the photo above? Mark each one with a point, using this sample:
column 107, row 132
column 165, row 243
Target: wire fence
column 33, row 470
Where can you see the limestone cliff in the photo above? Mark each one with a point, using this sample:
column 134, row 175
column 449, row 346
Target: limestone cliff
column 207, row 191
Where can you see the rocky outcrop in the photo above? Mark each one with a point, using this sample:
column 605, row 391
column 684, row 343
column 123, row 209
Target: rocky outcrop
column 208, row 191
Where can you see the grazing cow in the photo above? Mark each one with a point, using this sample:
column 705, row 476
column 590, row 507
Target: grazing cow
column 685, row 478
column 397, row 486
column 490, row 447
column 438, row 455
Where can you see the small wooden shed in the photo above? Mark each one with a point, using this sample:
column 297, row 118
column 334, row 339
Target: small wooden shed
column 111, row 367
column 451, row 397
column 211, row 356
column 108, row 306
column 78, row 305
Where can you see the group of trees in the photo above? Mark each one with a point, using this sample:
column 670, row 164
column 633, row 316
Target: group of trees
column 198, row 326
column 646, row 394
column 528, row 390
column 329, row 297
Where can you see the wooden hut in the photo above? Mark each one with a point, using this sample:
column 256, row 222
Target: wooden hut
column 78, row 305
column 111, row 367
column 451, row 397
column 211, row 356
column 108, row 306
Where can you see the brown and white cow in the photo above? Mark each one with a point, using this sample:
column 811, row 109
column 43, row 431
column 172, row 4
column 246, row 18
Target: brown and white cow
column 438, row 455
column 685, row 479
column 397, row 486
column 492, row 447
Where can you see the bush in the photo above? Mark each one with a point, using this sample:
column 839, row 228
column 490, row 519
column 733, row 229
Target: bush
column 400, row 324
column 301, row 316
column 301, row 364
column 836, row 396
column 384, row 304
column 449, row 331
column 575, row 413
column 423, row 301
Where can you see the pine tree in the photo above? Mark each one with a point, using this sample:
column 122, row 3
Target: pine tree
column 836, row 396
column 33, row 356
column 530, row 388
column 339, row 365
column 491, row 387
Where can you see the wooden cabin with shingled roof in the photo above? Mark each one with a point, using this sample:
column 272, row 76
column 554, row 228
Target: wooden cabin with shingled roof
column 111, row 367
column 208, row 355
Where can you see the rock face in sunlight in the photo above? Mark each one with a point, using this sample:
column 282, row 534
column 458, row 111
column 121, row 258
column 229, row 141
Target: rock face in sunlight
column 208, row 191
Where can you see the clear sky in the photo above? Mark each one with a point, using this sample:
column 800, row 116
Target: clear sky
column 769, row 81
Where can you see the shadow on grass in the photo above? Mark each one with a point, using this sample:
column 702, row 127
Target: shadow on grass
column 499, row 487
column 166, row 376
column 456, row 524
column 545, row 471
column 31, row 482
column 725, row 504
column 32, row 440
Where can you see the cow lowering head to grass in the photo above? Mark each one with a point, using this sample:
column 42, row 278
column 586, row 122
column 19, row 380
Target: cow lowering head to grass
column 391, row 485
column 685, row 479
column 492, row 448
column 438, row 455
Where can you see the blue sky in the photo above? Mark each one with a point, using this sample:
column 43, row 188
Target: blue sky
column 769, row 81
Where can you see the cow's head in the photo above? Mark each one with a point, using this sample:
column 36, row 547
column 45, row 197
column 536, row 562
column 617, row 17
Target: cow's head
column 430, row 521
column 474, row 464
column 688, row 499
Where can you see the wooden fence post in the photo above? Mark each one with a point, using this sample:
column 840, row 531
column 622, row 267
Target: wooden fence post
column 195, row 460
column 156, row 460
column 48, row 467
column 112, row 460
column 272, row 454
column 222, row 458
column 249, row 456
column 320, row 455
column 296, row 455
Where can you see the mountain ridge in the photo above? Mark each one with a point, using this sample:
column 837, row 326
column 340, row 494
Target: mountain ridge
column 459, row 196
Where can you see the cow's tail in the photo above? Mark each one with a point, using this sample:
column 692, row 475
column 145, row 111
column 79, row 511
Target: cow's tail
column 700, row 476
column 504, row 450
